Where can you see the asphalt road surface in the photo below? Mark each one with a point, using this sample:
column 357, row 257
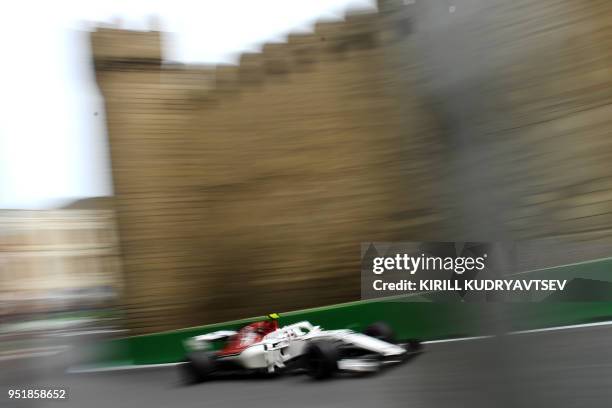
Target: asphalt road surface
column 566, row 368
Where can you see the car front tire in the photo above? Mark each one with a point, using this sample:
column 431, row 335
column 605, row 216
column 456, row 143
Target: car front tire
column 414, row 345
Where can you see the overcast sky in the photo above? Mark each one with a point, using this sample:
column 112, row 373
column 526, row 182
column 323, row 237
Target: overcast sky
column 52, row 147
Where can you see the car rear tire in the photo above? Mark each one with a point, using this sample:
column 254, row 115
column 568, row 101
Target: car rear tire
column 381, row 331
column 198, row 367
column 322, row 359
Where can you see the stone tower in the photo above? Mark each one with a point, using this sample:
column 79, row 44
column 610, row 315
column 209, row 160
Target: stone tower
column 248, row 189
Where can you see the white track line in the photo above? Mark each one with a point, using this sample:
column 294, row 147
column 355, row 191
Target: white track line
column 575, row 326
column 85, row 369
column 457, row 339
column 546, row 329
column 78, row 370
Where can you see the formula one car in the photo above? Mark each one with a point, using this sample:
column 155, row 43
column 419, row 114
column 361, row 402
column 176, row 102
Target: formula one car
column 265, row 347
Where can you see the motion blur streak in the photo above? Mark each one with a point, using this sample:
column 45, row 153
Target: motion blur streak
column 412, row 123
column 245, row 189
column 561, row 369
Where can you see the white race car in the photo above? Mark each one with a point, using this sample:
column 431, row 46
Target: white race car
column 265, row 347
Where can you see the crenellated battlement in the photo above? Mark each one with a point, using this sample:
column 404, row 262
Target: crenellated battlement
column 116, row 49
column 118, row 46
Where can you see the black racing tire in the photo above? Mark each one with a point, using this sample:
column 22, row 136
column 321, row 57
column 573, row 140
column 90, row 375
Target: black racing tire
column 198, row 367
column 322, row 359
column 414, row 345
column 381, row 331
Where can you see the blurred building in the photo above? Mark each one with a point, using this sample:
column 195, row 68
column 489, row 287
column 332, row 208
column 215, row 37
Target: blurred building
column 60, row 259
column 248, row 189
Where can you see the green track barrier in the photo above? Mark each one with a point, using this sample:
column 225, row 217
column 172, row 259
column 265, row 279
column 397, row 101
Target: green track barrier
column 411, row 316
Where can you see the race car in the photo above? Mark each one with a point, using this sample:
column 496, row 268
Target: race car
column 265, row 347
